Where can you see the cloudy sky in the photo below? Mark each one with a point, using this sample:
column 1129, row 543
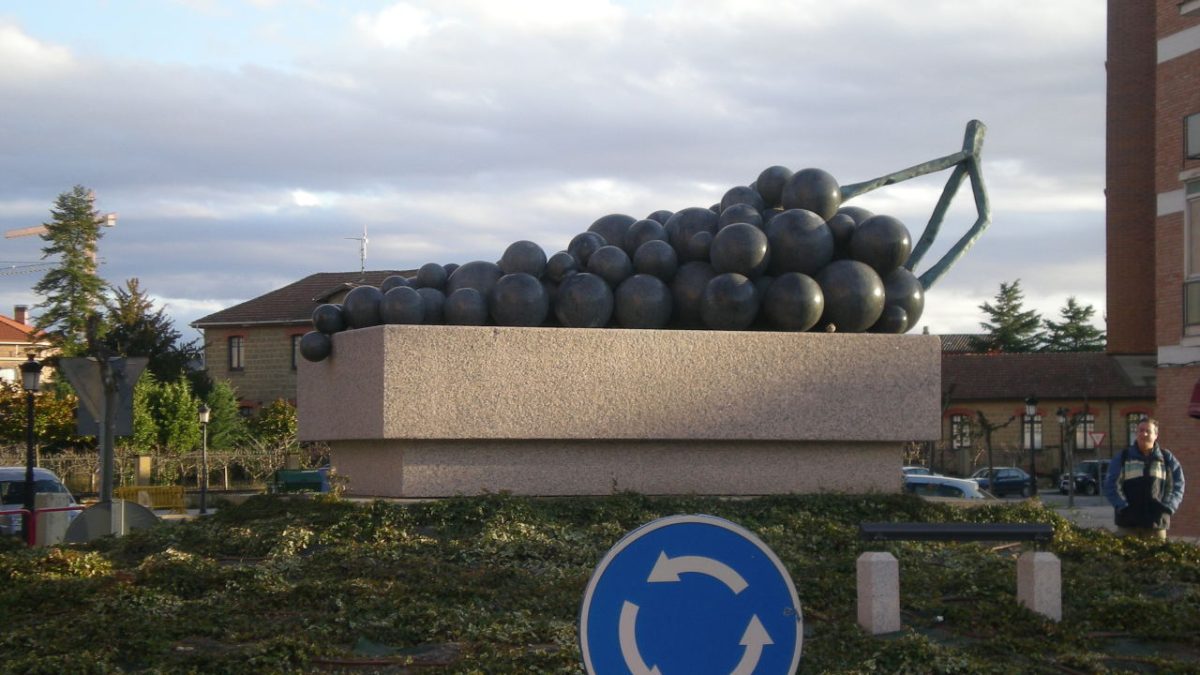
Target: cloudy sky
column 245, row 143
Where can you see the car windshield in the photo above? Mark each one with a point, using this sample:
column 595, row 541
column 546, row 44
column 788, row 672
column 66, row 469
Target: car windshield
column 13, row 492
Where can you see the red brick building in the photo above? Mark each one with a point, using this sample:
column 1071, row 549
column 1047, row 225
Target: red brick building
column 1153, row 213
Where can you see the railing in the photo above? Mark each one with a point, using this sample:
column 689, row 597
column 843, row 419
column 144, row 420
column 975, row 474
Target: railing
column 31, row 539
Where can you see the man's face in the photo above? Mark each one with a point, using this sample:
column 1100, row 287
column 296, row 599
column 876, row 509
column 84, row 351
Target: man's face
column 1147, row 434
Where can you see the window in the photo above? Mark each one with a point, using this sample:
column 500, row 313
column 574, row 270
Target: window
column 960, row 432
column 1085, row 424
column 295, row 350
column 237, row 352
column 1191, row 137
column 1036, row 424
column 1191, row 284
column 1132, row 420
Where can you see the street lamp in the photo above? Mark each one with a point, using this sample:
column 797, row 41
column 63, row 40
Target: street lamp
column 1064, row 458
column 1030, row 411
column 204, row 413
column 31, row 376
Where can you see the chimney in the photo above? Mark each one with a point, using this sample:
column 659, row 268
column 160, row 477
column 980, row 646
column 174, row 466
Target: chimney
column 20, row 314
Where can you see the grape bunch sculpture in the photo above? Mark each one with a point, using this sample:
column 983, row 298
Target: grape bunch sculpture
column 784, row 253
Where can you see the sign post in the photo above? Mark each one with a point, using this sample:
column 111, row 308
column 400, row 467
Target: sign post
column 690, row 594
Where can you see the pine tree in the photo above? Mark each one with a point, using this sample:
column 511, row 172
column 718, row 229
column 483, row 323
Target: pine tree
column 226, row 427
column 136, row 328
column 1011, row 328
column 1076, row 332
column 72, row 289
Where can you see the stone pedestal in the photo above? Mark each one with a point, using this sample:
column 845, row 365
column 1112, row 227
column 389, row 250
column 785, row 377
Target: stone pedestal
column 878, row 579
column 422, row 411
column 1039, row 583
column 51, row 527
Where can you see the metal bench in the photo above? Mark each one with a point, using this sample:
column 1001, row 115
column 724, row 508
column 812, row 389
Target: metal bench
column 300, row 480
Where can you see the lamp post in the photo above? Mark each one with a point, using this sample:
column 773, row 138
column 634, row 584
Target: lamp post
column 1067, row 462
column 31, row 375
column 1030, row 411
column 204, row 413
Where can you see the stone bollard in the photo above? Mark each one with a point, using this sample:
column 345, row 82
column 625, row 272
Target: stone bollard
column 1039, row 583
column 51, row 527
column 878, row 593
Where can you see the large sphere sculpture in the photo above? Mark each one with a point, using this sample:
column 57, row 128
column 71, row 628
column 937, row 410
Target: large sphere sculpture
column 393, row 281
column 770, row 184
column 435, row 302
column 687, row 223
column 793, row 302
column 730, row 302
column 478, row 274
column 800, row 242
column 402, row 305
column 561, row 265
column 740, row 248
column 328, row 319
column 687, row 289
column 814, row 190
column 742, row 195
column 698, row 247
column 360, row 307
column 525, row 257
column 658, row 258
column 642, row 301
column 612, row 227
column 584, row 244
column 882, row 242
column 740, row 213
column 432, row 275
column 641, row 232
column 893, row 320
column 315, row 346
column 519, row 300
column 466, row 307
column 583, row 300
column 662, row 216
column 903, row 289
column 611, row 264
column 853, row 296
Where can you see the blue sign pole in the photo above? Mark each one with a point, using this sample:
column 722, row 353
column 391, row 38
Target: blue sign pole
column 690, row 594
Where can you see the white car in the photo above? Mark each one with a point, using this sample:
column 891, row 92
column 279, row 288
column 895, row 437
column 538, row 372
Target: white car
column 944, row 487
column 12, row 494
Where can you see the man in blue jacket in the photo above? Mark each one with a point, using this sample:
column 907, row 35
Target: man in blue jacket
column 1145, row 485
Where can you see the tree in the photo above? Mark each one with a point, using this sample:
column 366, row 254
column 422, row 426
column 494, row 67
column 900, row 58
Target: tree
column 136, row 328
column 53, row 417
column 165, row 416
column 276, row 424
column 1075, row 333
column 72, row 289
column 226, row 428
column 1011, row 328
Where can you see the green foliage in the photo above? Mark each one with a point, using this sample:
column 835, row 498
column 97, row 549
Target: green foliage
column 73, row 290
column 165, row 416
column 1010, row 328
column 136, row 328
column 1075, row 333
column 493, row 584
column 276, row 424
column 226, row 428
column 53, row 417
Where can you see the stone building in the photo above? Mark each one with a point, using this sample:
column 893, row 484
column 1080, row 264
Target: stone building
column 18, row 340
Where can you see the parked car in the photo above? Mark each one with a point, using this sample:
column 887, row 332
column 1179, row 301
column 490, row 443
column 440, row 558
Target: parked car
column 943, row 486
column 1008, row 480
column 1089, row 477
column 12, row 494
column 917, row 471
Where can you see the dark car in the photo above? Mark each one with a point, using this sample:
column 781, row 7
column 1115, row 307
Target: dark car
column 1089, row 477
column 1008, row 480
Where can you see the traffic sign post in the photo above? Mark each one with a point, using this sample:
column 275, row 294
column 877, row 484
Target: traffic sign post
column 690, row 594
column 1097, row 438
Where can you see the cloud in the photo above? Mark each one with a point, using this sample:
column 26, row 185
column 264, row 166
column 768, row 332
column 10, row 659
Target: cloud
column 26, row 59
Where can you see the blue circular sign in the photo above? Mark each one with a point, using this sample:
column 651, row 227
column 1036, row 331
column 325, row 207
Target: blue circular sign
column 690, row 594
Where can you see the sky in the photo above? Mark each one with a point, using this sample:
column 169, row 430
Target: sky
column 245, row 144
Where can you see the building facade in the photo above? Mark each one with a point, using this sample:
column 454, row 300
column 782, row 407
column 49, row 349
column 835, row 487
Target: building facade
column 18, row 340
column 1153, row 214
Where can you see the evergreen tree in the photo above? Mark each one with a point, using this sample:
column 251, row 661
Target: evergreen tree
column 226, row 427
column 165, row 416
column 136, row 328
column 1075, row 333
column 276, row 424
column 1011, row 328
column 72, row 289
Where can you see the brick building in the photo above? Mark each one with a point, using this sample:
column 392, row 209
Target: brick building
column 254, row 345
column 18, row 340
column 1153, row 211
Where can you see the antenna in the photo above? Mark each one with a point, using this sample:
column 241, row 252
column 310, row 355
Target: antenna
column 362, row 250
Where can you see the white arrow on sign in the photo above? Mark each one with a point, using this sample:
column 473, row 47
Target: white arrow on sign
column 668, row 569
column 628, row 639
column 754, row 639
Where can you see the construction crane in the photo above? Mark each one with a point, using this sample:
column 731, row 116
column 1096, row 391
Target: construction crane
column 106, row 220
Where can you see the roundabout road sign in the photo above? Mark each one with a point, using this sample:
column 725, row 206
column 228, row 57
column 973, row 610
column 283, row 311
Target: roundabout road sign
column 690, row 594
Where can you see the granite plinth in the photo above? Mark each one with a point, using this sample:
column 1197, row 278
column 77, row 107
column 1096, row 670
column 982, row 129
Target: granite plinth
column 414, row 411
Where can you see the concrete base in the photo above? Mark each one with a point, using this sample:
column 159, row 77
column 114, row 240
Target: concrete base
column 415, row 411
column 878, row 579
column 1039, row 583
column 52, row 526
